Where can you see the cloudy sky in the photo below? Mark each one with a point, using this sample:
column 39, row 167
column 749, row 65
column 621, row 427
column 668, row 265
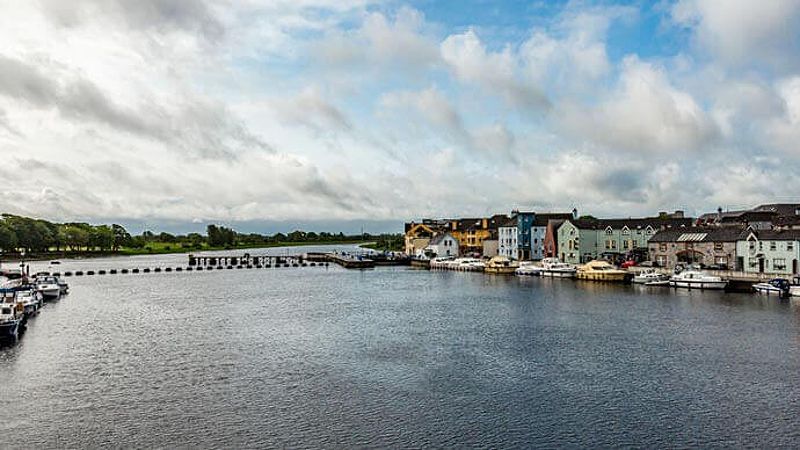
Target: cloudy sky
column 339, row 113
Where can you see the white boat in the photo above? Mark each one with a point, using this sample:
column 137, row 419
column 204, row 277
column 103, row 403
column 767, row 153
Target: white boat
column 468, row 264
column 775, row 286
column 48, row 287
column 650, row 277
column 695, row 279
column 553, row 267
column 528, row 268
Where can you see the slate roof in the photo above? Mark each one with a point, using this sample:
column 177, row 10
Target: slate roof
column 781, row 209
column 656, row 223
column 699, row 234
column 777, row 235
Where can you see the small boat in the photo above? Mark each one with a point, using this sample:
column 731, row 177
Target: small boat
column 695, row 279
column 48, row 287
column 553, row 267
column 528, row 268
column 11, row 316
column 469, row 264
column 600, row 271
column 650, row 277
column 501, row 265
column 775, row 286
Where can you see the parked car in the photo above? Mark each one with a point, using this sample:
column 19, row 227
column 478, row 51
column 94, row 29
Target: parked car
column 628, row 263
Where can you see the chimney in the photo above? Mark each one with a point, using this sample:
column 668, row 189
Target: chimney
column 574, row 213
column 678, row 214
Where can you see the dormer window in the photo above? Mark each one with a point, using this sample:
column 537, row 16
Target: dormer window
column 626, row 231
column 649, row 230
column 609, row 230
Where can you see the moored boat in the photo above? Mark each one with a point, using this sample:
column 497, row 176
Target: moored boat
column 501, row 265
column 775, row 286
column 48, row 287
column 650, row 277
column 600, row 271
column 695, row 279
column 553, row 267
column 528, row 268
column 11, row 317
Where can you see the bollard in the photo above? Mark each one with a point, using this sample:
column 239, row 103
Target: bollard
column 78, row 273
column 67, row 274
column 258, row 266
column 168, row 269
column 112, row 272
column 219, row 267
column 189, row 269
column 179, row 269
column 157, row 269
column 229, row 267
column 101, row 272
column 90, row 272
column 56, row 274
column 146, row 270
column 313, row 264
column 135, row 271
column 124, row 271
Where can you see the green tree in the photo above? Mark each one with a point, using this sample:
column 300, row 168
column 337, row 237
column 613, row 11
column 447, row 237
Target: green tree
column 121, row 236
column 8, row 239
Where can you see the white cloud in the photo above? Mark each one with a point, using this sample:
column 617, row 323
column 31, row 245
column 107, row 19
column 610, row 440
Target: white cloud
column 495, row 72
column 744, row 32
column 644, row 113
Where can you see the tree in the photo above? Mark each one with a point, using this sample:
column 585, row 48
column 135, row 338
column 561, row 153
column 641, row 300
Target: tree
column 76, row 237
column 101, row 237
column 8, row 239
column 121, row 237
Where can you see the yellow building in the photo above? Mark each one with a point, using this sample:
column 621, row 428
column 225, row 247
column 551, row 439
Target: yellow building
column 417, row 237
column 472, row 232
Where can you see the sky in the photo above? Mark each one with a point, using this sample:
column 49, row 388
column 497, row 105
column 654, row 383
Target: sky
column 341, row 115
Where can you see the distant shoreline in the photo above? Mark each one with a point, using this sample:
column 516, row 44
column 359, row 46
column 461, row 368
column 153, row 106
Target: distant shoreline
column 11, row 259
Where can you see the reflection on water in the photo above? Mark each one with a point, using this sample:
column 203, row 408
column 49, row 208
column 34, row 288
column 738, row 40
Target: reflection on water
column 317, row 357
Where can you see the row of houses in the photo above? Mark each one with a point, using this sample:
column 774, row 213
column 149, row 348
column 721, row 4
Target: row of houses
column 763, row 239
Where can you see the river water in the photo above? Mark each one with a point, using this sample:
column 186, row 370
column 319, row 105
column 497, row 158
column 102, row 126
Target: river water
column 326, row 357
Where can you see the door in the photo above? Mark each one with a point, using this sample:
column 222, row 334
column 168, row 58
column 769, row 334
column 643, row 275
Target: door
column 760, row 265
column 794, row 267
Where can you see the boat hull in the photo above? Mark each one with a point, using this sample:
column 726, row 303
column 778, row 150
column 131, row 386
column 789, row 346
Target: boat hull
column 50, row 294
column 767, row 290
column 9, row 329
column 609, row 277
column 558, row 273
column 697, row 284
column 501, row 270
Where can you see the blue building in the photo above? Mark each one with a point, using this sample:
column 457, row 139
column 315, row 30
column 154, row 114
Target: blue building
column 525, row 221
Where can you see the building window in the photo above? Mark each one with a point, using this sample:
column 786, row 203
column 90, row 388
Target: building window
column 609, row 230
column 718, row 246
column 752, row 245
column 661, row 260
column 626, row 244
column 790, row 246
column 773, row 246
column 779, row 264
column 760, row 245
column 626, row 231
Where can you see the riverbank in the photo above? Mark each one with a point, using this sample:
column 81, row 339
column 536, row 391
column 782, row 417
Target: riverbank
column 158, row 248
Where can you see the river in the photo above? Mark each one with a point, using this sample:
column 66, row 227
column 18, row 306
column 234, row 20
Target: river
column 330, row 358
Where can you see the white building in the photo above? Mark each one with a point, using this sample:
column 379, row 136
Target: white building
column 443, row 244
column 507, row 239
